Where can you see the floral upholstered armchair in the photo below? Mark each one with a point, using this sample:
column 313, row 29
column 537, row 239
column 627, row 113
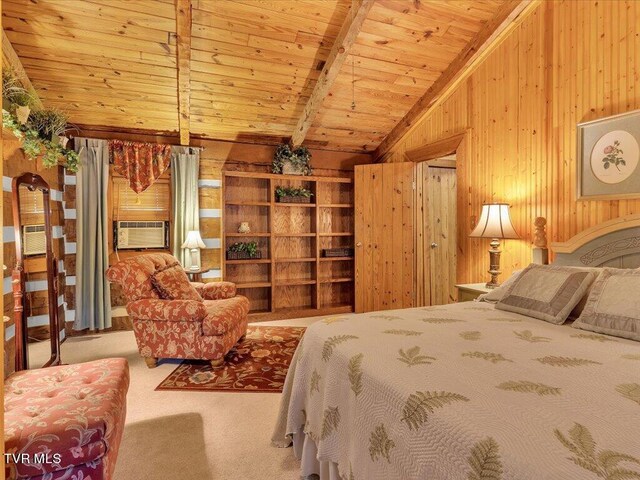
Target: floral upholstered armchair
column 174, row 318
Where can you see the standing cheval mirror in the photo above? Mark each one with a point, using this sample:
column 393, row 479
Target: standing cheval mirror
column 37, row 331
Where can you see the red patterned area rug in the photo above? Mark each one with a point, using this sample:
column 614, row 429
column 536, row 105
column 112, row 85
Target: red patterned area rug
column 258, row 364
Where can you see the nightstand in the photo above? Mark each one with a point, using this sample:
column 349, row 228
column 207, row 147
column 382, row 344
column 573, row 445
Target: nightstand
column 468, row 292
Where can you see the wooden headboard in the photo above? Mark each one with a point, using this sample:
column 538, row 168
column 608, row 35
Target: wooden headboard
column 615, row 243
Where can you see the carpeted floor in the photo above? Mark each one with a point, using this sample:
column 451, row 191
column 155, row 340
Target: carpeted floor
column 189, row 435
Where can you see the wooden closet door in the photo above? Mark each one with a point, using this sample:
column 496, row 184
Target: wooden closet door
column 436, row 227
column 384, row 236
column 442, row 219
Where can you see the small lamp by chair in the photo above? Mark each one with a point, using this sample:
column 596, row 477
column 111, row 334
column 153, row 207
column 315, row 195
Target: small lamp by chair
column 495, row 223
column 194, row 243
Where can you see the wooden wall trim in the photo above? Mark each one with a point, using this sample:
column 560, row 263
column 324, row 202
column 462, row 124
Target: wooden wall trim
column 437, row 149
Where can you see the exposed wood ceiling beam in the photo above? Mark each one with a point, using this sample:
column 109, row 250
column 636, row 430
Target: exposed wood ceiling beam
column 338, row 54
column 10, row 58
column 183, row 41
column 492, row 31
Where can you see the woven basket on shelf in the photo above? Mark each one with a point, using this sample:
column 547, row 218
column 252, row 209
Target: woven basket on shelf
column 294, row 199
column 243, row 256
column 337, row 252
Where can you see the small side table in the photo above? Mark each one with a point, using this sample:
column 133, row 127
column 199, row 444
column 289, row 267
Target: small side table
column 468, row 292
column 196, row 275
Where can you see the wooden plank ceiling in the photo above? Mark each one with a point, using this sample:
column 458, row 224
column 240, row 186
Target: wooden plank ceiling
column 253, row 63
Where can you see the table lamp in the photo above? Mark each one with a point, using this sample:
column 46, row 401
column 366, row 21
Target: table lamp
column 194, row 242
column 495, row 224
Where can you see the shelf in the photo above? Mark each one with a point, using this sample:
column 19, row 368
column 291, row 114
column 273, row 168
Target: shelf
column 249, row 204
column 284, row 235
column 250, row 261
column 252, row 234
column 337, row 280
column 290, row 283
column 253, row 285
column 284, row 204
column 295, row 260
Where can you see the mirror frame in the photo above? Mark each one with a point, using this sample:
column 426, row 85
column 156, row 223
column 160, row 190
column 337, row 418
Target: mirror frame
column 33, row 182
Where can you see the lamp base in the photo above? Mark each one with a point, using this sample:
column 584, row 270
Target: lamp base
column 194, row 260
column 494, row 263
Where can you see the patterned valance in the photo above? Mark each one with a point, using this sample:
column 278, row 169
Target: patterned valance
column 141, row 163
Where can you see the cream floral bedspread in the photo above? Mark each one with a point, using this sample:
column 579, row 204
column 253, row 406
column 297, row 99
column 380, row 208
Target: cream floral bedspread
column 465, row 392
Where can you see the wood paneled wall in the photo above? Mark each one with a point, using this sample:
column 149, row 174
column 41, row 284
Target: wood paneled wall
column 216, row 156
column 565, row 63
column 219, row 155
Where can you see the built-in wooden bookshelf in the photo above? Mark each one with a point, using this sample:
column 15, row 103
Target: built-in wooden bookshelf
column 292, row 278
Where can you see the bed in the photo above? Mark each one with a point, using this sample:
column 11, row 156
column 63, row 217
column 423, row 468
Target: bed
column 466, row 391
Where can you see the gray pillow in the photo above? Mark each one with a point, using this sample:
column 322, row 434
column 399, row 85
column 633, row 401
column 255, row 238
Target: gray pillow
column 546, row 292
column 613, row 307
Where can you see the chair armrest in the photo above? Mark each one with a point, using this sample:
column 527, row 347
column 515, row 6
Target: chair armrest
column 167, row 310
column 216, row 290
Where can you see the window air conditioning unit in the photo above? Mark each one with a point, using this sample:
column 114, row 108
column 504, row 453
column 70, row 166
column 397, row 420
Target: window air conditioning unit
column 139, row 235
column 34, row 240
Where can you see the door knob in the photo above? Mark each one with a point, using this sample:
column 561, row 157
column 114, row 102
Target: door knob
column 434, row 245
column 359, row 244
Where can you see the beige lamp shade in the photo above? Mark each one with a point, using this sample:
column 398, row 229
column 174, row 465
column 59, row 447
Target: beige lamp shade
column 495, row 222
column 193, row 240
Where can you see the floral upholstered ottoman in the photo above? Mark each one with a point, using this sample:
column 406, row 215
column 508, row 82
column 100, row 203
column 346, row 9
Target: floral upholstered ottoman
column 65, row 422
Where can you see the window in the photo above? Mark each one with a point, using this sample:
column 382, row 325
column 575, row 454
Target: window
column 152, row 205
column 31, row 206
column 32, row 229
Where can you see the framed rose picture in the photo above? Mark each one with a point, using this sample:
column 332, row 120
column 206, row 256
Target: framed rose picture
column 608, row 157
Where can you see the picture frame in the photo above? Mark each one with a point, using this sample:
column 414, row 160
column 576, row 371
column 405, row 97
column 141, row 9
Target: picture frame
column 608, row 160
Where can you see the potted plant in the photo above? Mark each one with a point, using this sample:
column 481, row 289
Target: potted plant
column 41, row 130
column 293, row 195
column 243, row 251
column 15, row 98
column 291, row 161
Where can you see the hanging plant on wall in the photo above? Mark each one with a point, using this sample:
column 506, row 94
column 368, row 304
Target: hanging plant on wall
column 291, row 161
column 42, row 131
